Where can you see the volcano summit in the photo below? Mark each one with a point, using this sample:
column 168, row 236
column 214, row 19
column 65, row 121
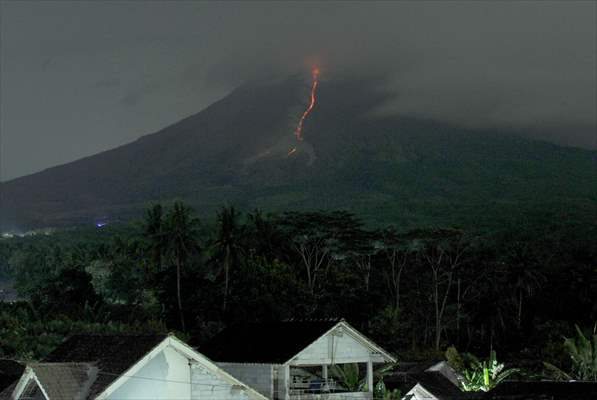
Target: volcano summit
column 405, row 170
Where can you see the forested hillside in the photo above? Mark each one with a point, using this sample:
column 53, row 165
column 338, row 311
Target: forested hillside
column 517, row 290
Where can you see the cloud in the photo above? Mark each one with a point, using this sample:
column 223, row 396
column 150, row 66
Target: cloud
column 108, row 82
column 526, row 64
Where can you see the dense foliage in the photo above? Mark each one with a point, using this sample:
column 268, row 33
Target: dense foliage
column 519, row 289
column 583, row 356
column 478, row 375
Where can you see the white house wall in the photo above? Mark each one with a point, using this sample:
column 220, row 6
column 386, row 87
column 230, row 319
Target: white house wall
column 166, row 376
column 206, row 385
column 170, row 376
column 337, row 347
column 257, row 376
column 280, row 382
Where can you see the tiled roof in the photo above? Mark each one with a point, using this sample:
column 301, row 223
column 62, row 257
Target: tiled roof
column 65, row 381
column 111, row 354
column 266, row 342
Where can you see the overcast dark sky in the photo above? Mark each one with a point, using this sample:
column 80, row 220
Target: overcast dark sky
column 78, row 78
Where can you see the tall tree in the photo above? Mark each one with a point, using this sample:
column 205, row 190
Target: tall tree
column 181, row 230
column 442, row 252
column 319, row 239
column 523, row 276
column 263, row 236
column 362, row 247
column 396, row 253
column 154, row 232
column 227, row 244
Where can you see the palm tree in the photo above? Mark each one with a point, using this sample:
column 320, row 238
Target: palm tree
column 525, row 282
column 154, row 231
column 181, row 229
column 227, row 244
column 524, row 278
column 263, row 236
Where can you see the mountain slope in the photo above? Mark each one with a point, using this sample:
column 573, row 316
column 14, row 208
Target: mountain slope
column 403, row 170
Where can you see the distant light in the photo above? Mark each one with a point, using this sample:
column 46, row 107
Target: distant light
column 100, row 224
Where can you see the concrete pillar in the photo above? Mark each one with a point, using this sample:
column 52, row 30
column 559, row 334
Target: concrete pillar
column 273, row 374
column 324, row 375
column 370, row 376
column 287, row 382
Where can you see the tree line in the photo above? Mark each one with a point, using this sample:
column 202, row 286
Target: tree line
column 416, row 292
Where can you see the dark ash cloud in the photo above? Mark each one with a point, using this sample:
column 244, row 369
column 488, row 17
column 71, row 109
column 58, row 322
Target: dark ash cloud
column 78, row 78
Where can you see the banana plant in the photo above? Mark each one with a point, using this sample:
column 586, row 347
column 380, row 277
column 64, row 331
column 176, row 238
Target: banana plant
column 583, row 354
column 348, row 375
column 383, row 393
column 351, row 380
column 482, row 376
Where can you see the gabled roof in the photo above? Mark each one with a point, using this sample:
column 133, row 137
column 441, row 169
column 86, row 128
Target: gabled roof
column 432, row 391
column 60, row 381
column 435, row 377
column 111, row 354
column 441, row 387
column 95, row 366
column 271, row 342
column 193, row 356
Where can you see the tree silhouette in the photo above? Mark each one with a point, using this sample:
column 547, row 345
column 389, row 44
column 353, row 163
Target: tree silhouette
column 227, row 244
column 181, row 231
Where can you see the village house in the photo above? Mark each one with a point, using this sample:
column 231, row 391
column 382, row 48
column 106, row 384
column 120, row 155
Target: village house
column 298, row 359
column 432, row 380
column 126, row 367
column 291, row 360
column 436, row 380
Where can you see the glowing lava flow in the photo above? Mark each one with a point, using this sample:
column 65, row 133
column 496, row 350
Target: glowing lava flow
column 298, row 132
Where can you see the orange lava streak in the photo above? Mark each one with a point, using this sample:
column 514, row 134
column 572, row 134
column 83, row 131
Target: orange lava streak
column 298, row 132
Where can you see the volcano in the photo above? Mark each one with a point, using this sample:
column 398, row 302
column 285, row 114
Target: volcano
column 403, row 170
